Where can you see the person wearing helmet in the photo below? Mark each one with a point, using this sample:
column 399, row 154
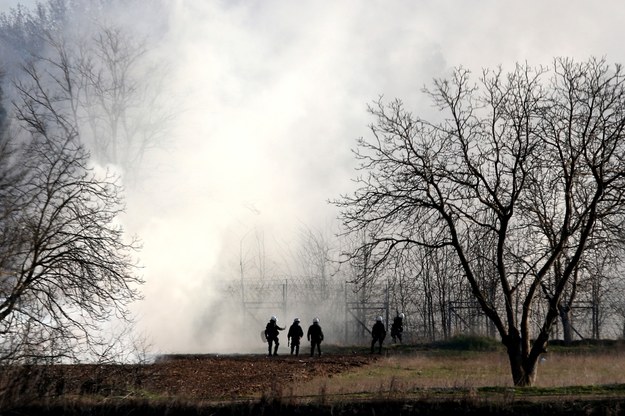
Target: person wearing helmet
column 397, row 328
column 315, row 336
column 378, row 332
column 295, row 334
column 271, row 334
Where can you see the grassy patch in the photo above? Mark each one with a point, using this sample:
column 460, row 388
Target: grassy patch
column 473, row 368
column 468, row 343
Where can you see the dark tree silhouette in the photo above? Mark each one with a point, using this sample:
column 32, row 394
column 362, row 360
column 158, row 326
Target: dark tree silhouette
column 520, row 174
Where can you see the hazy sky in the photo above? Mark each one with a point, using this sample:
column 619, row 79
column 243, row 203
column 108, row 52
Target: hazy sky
column 272, row 96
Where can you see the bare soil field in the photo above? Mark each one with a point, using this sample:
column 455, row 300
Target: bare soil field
column 182, row 377
column 238, row 377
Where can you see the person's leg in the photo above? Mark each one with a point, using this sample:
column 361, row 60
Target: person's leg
column 373, row 344
column 275, row 348
column 319, row 348
column 270, row 344
column 296, row 350
column 312, row 348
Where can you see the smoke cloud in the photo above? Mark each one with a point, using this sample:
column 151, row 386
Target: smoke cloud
column 270, row 97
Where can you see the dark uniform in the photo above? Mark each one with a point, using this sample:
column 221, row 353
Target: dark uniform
column 295, row 334
column 397, row 328
column 378, row 332
column 271, row 334
column 315, row 336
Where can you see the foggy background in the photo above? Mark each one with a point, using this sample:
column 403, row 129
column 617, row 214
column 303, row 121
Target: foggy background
column 269, row 98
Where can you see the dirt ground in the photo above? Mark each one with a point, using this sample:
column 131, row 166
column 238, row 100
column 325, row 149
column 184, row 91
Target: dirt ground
column 242, row 376
column 185, row 377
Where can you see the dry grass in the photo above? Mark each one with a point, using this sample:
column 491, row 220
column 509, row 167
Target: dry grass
column 582, row 369
column 426, row 372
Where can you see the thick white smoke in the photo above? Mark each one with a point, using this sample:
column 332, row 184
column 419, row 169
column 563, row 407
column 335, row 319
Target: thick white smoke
column 273, row 95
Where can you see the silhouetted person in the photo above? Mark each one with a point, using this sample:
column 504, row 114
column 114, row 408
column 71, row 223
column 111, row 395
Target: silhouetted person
column 271, row 334
column 315, row 336
column 378, row 332
column 295, row 334
column 397, row 328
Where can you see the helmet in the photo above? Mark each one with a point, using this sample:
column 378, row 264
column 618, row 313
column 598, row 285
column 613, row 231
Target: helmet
column 379, row 319
column 296, row 320
column 274, row 319
column 402, row 316
column 316, row 321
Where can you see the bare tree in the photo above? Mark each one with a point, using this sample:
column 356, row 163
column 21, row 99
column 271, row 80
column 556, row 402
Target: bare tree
column 119, row 107
column 66, row 266
column 315, row 261
column 513, row 153
column 101, row 66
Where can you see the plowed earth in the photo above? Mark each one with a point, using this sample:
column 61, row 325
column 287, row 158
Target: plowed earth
column 190, row 377
column 231, row 377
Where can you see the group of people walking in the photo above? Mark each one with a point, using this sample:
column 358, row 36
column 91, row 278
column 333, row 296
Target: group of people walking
column 294, row 336
column 315, row 334
column 378, row 332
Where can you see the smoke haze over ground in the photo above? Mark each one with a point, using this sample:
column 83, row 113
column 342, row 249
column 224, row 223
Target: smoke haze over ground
column 270, row 97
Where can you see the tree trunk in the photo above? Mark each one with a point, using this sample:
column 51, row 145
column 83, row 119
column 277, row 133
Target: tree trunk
column 523, row 368
column 565, row 318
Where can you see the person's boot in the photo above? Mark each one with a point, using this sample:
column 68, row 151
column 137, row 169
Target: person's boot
column 275, row 350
